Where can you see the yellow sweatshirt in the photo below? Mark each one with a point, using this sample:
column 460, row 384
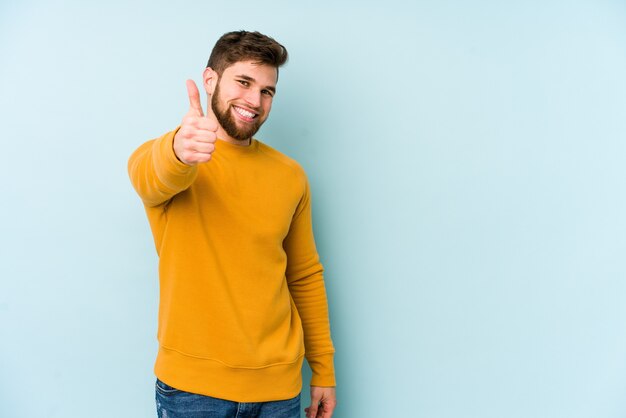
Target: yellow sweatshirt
column 242, row 297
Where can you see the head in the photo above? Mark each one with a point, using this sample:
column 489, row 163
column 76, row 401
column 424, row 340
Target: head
column 240, row 80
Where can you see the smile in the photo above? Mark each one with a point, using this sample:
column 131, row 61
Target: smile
column 245, row 114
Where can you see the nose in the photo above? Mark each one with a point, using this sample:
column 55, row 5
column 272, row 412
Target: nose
column 253, row 98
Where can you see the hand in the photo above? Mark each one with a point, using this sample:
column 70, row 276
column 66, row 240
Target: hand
column 195, row 140
column 323, row 402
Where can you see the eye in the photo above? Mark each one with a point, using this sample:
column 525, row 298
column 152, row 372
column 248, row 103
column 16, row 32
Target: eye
column 244, row 83
column 267, row 93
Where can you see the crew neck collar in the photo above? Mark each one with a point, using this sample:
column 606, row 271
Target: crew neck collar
column 244, row 149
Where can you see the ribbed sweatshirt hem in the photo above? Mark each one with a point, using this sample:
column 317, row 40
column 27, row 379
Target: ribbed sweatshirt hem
column 216, row 379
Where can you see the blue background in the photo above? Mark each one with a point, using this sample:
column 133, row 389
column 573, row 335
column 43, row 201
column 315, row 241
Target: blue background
column 467, row 162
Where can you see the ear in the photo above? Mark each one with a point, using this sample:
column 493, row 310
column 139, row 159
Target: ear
column 209, row 80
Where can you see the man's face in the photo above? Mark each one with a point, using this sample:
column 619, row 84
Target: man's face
column 243, row 97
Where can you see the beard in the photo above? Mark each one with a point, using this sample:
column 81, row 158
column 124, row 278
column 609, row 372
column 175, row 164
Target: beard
column 228, row 121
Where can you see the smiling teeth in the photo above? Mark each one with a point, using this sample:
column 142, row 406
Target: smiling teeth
column 245, row 113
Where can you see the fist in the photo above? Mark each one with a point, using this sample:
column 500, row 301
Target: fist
column 195, row 140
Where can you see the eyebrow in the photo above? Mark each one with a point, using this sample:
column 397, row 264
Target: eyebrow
column 248, row 78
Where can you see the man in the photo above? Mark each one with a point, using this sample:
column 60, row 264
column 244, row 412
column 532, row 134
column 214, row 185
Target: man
column 242, row 297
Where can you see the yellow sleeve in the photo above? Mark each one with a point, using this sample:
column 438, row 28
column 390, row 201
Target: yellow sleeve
column 155, row 172
column 305, row 279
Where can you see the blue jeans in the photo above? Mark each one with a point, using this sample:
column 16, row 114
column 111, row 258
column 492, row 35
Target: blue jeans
column 174, row 403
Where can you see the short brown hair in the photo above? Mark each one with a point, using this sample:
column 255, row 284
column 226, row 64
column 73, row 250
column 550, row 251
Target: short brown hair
column 241, row 45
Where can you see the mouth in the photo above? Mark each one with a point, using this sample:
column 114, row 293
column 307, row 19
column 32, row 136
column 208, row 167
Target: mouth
column 245, row 114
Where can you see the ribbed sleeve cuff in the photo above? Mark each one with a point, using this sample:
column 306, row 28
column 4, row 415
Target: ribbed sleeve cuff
column 166, row 153
column 323, row 370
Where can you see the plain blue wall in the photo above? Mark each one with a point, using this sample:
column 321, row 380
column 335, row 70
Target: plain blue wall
column 467, row 161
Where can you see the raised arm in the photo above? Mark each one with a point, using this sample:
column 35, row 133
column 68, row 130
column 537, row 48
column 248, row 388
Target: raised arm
column 162, row 168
